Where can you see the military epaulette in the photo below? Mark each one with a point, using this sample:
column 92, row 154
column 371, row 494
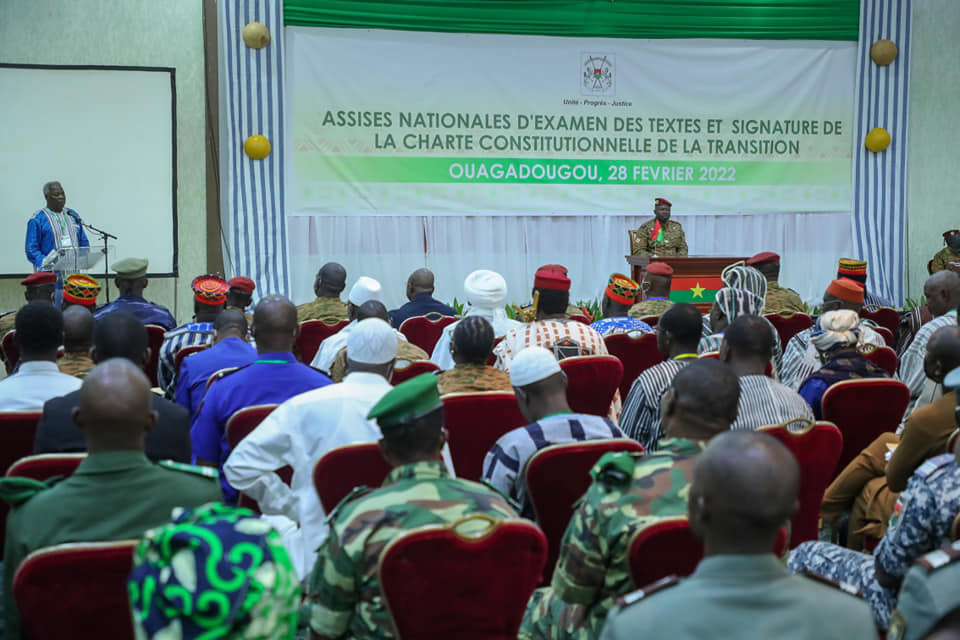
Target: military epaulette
column 197, row 470
column 18, row 489
column 223, row 373
column 355, row 493
column 615, row 468
column 926, row 469
column 842, row 586
column 941, row 557
column 636, row 596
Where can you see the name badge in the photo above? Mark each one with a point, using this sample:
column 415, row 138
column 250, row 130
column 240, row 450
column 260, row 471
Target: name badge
column 65, row 241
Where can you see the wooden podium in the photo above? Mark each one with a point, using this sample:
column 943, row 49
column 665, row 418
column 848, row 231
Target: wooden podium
column 696, row 279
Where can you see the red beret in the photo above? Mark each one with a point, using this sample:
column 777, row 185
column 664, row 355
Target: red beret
column 552, row 276
column 847, row 289
column 39, row 278
column 659, row 269
column 662, row 201
column 242, row 284
column 947, row 234
column 767, row 257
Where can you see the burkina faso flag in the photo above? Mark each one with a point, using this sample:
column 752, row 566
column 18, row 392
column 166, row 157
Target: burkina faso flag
column 695, row 289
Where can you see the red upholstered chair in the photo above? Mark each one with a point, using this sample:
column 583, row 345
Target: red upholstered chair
column 218, row 375
column 239, row 426
column 448, row 581
column 886, row 334
column 862, row 410
column 474, row 423
column 637, row 353
column 76, row 591
column 885, row 317
column 930, row 267
column 46, row 465
column 312, row 333
column 592, row 381
column 883, row 357
column 789, row 325
column 412, row 370
column 817, row 447
column 651, row 320
column 556, row 477
column 17, row 430
column 340, row 470
column 155, row 341
column 581, row 318
column 424, row 331
column 187, row 351
column 11, row 350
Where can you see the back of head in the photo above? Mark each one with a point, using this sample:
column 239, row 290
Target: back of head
column 231, row 322
column 39, row 330
column 844, row 294
column 749, row 337
column 275, row 324
column 942, row 291
column 372, row 347
column 553, row 302
column 77, row 329
column 473, row 340
column 739, row 276
column 420, row 281
column 704, row 397
column 364, row 289
column 331, row 279
column 373, row 309
column 410, row 417
column 839, row 329
column 115, row 407
column 684, row 324
column 485, row 289
column 120, row 335
column 539, row 383
column 552, row 286
column 943, row 352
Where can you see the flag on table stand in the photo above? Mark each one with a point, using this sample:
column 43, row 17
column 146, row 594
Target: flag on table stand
column 657, row 235
column 694, row 289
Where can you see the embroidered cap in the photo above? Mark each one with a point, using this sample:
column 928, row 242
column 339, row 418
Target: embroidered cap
column 79, row 288
column 853, row 269
column 622, row 289
column 210, row 290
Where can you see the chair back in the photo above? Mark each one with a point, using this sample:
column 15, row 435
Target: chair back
column 637, row 353
column 789, row 325
column 579, row 317
column 17, row 431
column 444, row 581
column 883, row 357
column 474, row 423
column 76, row 591
column 651, row 320
column 239, row 426
column 885, row 317
column 155, row 335
column 663, row 548
column 46, row 465
column 219, row 375
column 592, row 382
column 862, row 410
column 424, row 331
column 886, row 334
column 342, row 469
column 187, row 351
column 817, row 447
column 556, row 476
column 412, row 370
column 11, row 350
column 492, row 358
column 311, row 334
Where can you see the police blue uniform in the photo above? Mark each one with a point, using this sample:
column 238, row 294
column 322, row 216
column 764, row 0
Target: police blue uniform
column 197, row 369
column 147, row 312
column 272, row 378
column 920, row 523
column 192, row 334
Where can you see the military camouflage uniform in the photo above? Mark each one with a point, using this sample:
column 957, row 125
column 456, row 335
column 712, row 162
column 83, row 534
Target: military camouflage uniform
column 782, row 300
column 920, row 523
column 943, row 258
column 330, row 310
column 7, row 322
column 653, row 307
column 406, row 353
column 629, row 491
column 674, row 242
column 344, row 594
column 468, row 378
column 77, row 364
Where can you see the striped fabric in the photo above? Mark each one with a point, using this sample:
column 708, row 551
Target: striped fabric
column 251, row 103
column 640, row 418
column 191, row 334
column 800, row 358
column 880, row 179
column 764, row 401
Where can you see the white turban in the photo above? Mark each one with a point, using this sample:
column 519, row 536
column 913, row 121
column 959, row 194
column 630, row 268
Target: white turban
column 837, row 329
column 485, row 288
column 372, row 341
column 364, row 290
column 532, row 364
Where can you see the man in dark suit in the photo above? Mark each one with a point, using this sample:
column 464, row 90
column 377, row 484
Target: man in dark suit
column 117, row 335
column 422, row 302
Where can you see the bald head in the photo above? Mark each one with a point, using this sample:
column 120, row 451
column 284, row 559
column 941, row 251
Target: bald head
column 747, row 345
column 275, row 325
column 331, row 280
column 231, row 323
column 744, row 489
column 420, row 281
column 943, row 353
column 942, row 291
column 114, row 407
column 702, row 400
column 373, row 309
column 77, row 329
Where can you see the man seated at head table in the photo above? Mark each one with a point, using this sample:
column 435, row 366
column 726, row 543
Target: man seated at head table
column 660, row 236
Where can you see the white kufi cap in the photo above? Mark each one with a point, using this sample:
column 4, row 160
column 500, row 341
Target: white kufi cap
column 486, row 289
column 372, row 341
column 364, row 290
column 532, row 364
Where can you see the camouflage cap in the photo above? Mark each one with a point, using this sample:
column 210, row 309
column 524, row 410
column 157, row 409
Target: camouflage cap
column 407, row 401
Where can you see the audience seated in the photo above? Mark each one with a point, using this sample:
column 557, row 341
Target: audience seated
column 406, row 352
column 618, row 299
column 39, row 334
column 39, row 285
column 421, row 300
column 541, row 390
column 836, row 342
column 115, row 493
column 655, row 291
column 77, row 340
column 328, row 307
column 117, row 335
column 928, row 605
column 744, row 487
column 630, row 489
column 470, row 350
column 344, row 595
column 363, row 290
column 240, row 295
column 131, row 281
column 778, row 299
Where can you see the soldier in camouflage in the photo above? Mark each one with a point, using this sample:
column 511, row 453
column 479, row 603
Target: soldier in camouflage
column 629, row 491
column 471, row 348
column 328, row 307
column 920, row 523
column 778, row 299
column 77, row 340
column 950, row 253
column 344, row 593
column 660, row 236
column 657, row 279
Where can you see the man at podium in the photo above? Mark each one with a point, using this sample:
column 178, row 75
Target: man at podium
column 659, row 237
column 53, row 227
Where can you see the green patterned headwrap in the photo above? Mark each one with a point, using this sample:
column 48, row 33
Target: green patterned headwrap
column 215, row 572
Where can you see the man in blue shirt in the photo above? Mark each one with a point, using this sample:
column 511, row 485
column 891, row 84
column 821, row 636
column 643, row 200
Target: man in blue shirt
column 273, row 378
column 53, row 227
column 620, row 295
column 230, row 349
column 131, row 281
column 422, row 302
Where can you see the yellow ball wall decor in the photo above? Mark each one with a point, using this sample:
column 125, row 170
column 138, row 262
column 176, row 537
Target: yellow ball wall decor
column 256, row 35
column 883, row 52
column 257, row 147
column 877, row 140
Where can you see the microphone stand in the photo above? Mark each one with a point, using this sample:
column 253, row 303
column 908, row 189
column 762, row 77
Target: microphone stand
column 106, row 251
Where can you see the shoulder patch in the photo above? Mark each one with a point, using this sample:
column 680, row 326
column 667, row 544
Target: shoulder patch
column 17, row 490
column 941, row 557
column 842, row 586
column 636, row 596
column 615, row 467
column 926, row 469
column 206, row 472
column 355, row 493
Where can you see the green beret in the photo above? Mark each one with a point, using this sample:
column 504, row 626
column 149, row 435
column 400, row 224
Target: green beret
column 408, row 400
column 131, row 268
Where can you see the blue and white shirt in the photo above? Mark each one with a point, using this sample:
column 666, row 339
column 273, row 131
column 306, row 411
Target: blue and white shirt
column 186, row 335
column 623, row 324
